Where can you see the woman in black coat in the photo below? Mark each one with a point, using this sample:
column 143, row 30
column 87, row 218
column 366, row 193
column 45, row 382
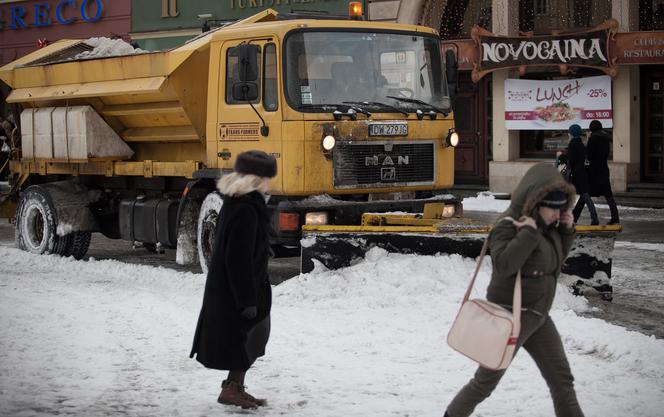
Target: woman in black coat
column 598, row 170
column 234, row 323
column 576, row 157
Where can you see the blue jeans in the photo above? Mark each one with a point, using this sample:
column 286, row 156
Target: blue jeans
column 584, row 199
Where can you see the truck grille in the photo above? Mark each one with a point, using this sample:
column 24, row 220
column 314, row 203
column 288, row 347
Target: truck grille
column 383, row 164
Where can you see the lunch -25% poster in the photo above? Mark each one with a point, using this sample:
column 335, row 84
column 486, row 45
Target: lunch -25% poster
column 557, row 104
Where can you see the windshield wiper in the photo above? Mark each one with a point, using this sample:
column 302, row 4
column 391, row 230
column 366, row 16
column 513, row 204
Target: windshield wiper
column 420, row 102
column 378, row 103
column 336, row 108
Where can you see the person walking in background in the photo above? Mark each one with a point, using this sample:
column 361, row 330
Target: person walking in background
column 537, row 244
column 5, row 150
column 234, row 322
column 576, row 157
column 598, row 169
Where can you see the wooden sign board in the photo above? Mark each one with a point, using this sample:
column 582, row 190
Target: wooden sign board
column 589, row 48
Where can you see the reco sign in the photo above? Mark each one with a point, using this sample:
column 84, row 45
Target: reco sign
column 65, row 12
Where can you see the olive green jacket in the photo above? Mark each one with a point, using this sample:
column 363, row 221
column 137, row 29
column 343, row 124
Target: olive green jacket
column 538, row 253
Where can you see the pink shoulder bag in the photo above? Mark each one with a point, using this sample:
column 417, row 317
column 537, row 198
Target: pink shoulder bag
column 484, row 331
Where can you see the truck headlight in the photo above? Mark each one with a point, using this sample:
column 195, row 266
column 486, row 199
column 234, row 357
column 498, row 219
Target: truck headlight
column 328, row 143
column 316, row 218
column 452, row 139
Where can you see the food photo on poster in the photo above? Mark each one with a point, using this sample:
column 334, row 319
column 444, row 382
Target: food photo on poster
column 557, row 104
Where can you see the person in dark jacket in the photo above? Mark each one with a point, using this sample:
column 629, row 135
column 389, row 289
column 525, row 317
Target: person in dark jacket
column 576, row 157
column 598, row 170
column 234, row 322
column 537, row 244
column 4, row 156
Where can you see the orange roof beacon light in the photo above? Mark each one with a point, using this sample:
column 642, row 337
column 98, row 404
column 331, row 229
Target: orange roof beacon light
column 355, row 10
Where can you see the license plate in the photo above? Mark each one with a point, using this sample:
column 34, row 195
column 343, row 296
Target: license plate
column 388, row 129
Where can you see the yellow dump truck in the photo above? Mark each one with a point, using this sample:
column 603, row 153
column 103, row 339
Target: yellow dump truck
column 358, row 115
column 131, row 146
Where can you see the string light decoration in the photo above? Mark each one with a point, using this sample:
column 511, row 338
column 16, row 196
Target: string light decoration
column 459, row 16
column 537, row 16
column 546, row 16
column 432, row 13
column 651, row 14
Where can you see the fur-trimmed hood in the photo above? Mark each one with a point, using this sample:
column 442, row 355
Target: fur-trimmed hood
column 538, row 181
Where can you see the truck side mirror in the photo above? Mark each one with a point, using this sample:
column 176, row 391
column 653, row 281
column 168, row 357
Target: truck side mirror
column 245, row 91
column 452, row 73
column 248, row 59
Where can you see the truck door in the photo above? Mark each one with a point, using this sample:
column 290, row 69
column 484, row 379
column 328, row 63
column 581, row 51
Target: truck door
column 241, row 127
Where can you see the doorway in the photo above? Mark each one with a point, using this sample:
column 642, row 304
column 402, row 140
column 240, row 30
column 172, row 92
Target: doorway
column 652, row 124
column 472, row 119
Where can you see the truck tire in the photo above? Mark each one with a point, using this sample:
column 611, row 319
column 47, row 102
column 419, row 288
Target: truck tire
column 36, row 223
column 186, row 250
column 78, row 245
column 208, row 217
column 64, row 245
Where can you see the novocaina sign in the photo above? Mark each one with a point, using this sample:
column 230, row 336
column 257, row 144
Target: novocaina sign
column 582, row 49
column 590, row 49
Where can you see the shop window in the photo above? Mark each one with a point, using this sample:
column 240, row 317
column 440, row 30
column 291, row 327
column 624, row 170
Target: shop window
column 270, row 85
column 651, row 14
column 546, row 143
column 542, row 143
column 233, row 74
column 459, row 17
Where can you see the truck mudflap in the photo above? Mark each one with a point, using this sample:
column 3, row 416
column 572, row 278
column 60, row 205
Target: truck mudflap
column 334, row 247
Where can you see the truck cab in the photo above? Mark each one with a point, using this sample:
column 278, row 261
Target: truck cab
column 351, row 110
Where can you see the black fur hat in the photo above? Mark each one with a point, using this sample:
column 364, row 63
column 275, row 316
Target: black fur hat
column 256, row 163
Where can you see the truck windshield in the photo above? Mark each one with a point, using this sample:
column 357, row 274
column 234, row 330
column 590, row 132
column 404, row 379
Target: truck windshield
column 325, row 69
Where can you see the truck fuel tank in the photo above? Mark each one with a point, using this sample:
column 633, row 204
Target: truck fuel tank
column 149, row 220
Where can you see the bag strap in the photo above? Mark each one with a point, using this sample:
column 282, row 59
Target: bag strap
column 516, row 299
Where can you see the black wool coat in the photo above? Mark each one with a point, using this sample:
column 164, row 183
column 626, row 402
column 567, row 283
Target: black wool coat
column 237, row 278
column 576, row 157
column 598, row 171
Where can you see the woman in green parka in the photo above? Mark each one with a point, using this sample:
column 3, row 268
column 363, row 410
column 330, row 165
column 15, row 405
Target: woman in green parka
column 534, row 235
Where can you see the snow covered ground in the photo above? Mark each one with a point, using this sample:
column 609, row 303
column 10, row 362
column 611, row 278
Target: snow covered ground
column 96, row 338
column 485, row 201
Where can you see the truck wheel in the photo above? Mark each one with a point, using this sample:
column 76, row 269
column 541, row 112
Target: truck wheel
column 79, row 244
column 36, row 223
column 64, row 245
column 186, row 250
column 207, row 226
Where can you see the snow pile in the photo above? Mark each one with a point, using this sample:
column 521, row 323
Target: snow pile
column 318, row 199
column 624, row 208
column 105, row 47
column 443, row 197
column 102, row 337
column 485, row 201
column 657, row 247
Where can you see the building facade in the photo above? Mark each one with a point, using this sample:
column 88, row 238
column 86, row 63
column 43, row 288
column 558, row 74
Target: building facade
column 27, row 25
column 31, row 24
column 493, row 151
column 161, row 24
